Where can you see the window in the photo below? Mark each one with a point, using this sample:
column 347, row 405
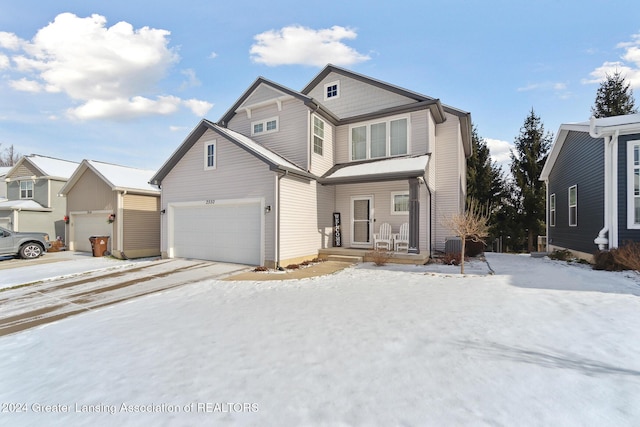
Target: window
column 552, row 210
column 573, row 206
column 318, row 135
column 210, row 156
column 264, row 126
column 331, row 90
column 633, row 184
column 380, row 139
column 400, row 203
column 26, row 189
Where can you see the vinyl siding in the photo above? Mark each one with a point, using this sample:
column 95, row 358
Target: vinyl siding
column 381, row 193
column 141, row 225
column 448, row 172
column 291, row 139
column 90, row 193
column 580, row 162
column 356, row 97
column 261, row 94
column 238, row 175
column 305, row 222
column 624, row 234
column 322, row 163
column 24, row 170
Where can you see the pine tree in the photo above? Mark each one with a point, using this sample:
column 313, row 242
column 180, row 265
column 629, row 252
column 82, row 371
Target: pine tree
column 527, row 161
column 614, row 97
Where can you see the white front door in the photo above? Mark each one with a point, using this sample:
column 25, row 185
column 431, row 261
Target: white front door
column 361, row 221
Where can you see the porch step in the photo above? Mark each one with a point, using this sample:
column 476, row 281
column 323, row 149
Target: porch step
column 345, row 258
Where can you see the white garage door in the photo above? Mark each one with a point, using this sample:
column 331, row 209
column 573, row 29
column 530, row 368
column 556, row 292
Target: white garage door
column 227, row 231
column 84, row 226
column 4, row 222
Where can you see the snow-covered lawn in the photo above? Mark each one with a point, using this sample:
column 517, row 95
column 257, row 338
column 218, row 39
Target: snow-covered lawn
column 538, row 343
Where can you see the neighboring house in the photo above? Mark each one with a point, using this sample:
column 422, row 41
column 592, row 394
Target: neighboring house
column 32, row 195
column 261, row 186
column 3, row 184
column 593, row 185
column 116, row 201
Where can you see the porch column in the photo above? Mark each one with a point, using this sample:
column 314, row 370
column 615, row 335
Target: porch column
column 414, row 216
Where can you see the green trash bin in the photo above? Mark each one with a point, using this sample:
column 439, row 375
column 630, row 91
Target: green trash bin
column 99, row 245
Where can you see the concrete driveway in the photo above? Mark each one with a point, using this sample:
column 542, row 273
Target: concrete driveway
column 60, row 285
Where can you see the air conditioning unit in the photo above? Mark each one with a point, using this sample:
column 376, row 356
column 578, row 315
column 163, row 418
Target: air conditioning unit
column 452, row 245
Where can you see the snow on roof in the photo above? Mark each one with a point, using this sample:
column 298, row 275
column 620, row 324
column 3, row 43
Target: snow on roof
column 4, row 170
column 386, row 166
column 258, row 149
column 26, row 205
column 53, row 167
column 125, row 177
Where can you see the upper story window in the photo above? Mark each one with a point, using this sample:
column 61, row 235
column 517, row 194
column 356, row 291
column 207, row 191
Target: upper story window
column 380, row 139
column 552, row 210
column 318, row 136
column 264, row 126
column 573, row 206
column 210, row 152
column 332, row 90
column 26, row 189
column 633, row 184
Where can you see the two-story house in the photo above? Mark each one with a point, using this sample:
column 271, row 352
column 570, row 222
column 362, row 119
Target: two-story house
column 267, row 183
column 32, row 201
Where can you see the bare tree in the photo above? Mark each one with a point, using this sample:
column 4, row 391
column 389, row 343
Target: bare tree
column 9, row 156
column 473, row 224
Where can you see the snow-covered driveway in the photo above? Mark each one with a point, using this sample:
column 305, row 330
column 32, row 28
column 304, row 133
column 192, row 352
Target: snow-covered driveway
column 539, row 343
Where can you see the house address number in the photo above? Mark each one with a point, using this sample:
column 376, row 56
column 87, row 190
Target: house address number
column 209, row 202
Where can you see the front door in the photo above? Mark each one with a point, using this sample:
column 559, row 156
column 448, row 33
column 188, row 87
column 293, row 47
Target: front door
column 361, row 221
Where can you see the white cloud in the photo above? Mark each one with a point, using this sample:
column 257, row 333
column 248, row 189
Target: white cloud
column 500, row 152
column 199, row 108
column 4, row 61
column 213, row 55
column 112, row 71
column 300, row 45
column 628, row 66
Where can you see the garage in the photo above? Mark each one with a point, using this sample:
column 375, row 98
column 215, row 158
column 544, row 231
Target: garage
column 84, row 225
column 217, row 230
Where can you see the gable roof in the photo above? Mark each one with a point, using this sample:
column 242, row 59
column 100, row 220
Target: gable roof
column 377, row 170
column 4, row 170
column 49, row 167
column 596, row 128
column 119, row 178
column 275, row 161
column 438, row 109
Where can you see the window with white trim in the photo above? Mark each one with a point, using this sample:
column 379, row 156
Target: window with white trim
column 633, row 184
column 573, row 206
column 26, row 189
column 264, row 126
column 552, row 210
column 318, row 135
column 332, row 90
column 400, row 203
column 380, row 139
column 210, row 153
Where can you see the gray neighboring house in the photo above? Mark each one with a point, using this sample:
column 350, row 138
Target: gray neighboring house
column 3, row 184
column 32, row 186
column 593, row 185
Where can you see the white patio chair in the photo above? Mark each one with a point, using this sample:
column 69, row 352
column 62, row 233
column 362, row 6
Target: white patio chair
column 383, row 238
column 401, row 239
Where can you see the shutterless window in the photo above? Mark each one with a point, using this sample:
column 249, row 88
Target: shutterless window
column 380, row 139
column 552, row 210
column 633, row 197
column 399, row 203
column 359, row 143
column 264, row 126
column 26, row 189
column 210, row 156
column 331, row 90
column 573, row 206
column 318, row 135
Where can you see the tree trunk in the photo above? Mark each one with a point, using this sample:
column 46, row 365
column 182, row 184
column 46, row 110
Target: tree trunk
column 464, row 241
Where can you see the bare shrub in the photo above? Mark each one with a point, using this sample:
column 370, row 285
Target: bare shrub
column 379, row 256
column 628, row 255
column 561, row 255
column 293, row 267
column 452, row 258
column 472, row 224
column 261, row 268
column 604, row 260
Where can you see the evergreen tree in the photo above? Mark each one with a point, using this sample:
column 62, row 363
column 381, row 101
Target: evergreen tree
column 614, row 97
column 531, row 149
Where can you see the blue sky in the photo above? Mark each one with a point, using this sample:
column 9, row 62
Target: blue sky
column 125, row 82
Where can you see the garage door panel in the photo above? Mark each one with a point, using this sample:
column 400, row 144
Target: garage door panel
column 86, row 225
column 228, row 232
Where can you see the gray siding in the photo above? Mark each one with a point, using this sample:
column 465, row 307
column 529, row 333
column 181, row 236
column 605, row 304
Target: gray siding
column 624, row 234
column 580, row 162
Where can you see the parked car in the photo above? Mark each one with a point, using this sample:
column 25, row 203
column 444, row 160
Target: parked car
column 24, row 244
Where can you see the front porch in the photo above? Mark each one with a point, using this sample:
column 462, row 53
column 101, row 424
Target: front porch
column 361, row 255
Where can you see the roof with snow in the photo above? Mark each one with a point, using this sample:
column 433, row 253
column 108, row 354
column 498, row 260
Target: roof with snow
column 48, row 166
column 377, row 170
column 119, row 178
column 24, row 205
column 4, row 170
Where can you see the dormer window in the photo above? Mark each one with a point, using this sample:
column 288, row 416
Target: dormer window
column 331, row 90
column 264, row 126
column 26, row 189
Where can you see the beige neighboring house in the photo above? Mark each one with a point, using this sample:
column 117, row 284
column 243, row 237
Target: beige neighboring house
column 32, row 203
column 3, row 184
column 264, row 184
column 116, row 201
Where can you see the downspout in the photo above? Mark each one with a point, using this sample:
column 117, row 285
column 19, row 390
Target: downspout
column 602, row 241
column 277, row 260
column 429, row 234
